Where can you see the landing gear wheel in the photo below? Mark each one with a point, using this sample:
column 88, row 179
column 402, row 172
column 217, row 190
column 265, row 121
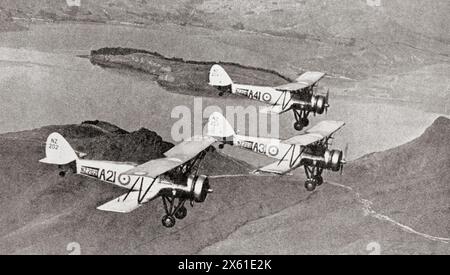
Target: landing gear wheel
column 181, row 213
column 319, row 180
column 298, row 126
column 221, row 146
column 304, row 122
column 310, row 185
column 62, row 174
column 168, row 221
column 221, row 94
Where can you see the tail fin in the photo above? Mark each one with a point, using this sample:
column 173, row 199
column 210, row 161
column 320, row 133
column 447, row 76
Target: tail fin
column 218, row 126
column 58, row 151
column 218, row 77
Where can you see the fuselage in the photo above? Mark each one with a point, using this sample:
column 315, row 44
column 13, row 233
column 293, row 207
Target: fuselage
column 267, row 95
column 270, row 147
column 112, row 172
column 295, row 154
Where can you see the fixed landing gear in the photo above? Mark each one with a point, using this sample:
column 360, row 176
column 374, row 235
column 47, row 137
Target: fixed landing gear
column 299, row 125
column 314, row 178
column 168, row 221
column 64, row 169
column 310, row 185
column 319, row 180
column 181, row 213
column 223, row 89
column 223, row 142
column 173, row 211
column 301, row 119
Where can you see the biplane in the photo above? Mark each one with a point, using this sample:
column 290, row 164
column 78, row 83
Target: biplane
column 298, row 96
column 310, row 150
column 174, row 178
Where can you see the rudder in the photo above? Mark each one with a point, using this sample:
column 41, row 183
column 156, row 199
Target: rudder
column 58, row 151
column 218, row 126
column 218, row 77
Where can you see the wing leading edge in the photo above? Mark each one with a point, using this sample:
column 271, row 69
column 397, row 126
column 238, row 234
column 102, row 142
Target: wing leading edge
column 318, row 132
column 175, row 157
column 279, row 168
column 306, row 80
column 130, row 201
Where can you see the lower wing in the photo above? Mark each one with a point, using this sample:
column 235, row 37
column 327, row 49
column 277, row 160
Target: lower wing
column 280, row 168
column 274, row 109
column 129, row 201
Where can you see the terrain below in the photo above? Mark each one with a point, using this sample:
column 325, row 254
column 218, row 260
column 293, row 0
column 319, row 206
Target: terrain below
column 372, row 205
column 387, row 69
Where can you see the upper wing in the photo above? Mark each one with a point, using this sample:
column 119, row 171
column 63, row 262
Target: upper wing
column 190, row 148
column 305, row 80
column 175, row 157
column 280, row 168
column 316, row 133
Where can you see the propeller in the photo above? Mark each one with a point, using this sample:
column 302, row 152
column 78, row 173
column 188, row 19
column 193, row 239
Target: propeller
column 329, row 142
column 343, row 160
column 327, row 97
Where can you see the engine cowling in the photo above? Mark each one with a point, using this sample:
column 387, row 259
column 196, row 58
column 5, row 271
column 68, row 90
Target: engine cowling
column 330, row 160
column 200, row 187
column 333, row 160
column 318, row 104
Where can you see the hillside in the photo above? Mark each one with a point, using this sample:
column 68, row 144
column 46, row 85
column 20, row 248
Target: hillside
column 43, row 213
column 411, row 180
column 350, row 18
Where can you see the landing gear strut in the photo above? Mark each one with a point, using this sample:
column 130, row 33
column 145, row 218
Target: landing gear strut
column 301, row 119
column 314, row 177
column 319, row 180
column 173, row 210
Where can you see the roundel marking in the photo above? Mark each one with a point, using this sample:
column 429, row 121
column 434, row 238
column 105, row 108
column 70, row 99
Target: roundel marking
column 267, row 97
column 273, row 150
column 124, row 179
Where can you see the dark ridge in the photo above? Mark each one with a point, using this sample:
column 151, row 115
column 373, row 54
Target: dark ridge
column 105, row 126
column 440, row 129
column 128, row 51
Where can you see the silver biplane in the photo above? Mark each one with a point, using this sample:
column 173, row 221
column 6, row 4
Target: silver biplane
column 174, row 178
column 310, row 150
column 298, row 96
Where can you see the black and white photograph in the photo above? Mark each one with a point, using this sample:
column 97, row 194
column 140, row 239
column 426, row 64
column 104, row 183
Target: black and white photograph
column 225, row 128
